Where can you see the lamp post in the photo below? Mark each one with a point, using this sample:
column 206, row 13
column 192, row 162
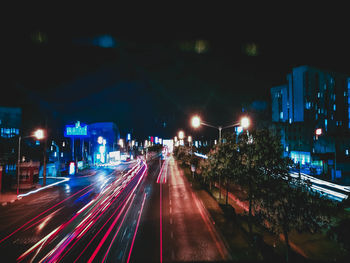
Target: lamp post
column 39, row 134
column 319, row 132
column 196, row 122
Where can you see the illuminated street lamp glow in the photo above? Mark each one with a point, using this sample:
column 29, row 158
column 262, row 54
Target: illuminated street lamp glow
column 189, row 138
column 39, row 134
column 245, row 122
column 319, row 131
column 181, row 135
column 175, row 139
column 121, row 143
column 100, row 140
column 196, row 121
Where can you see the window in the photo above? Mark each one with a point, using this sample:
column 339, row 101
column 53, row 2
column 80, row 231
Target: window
column 281, row 115
column 334, row 107
column 318, row 95
column 347, row 152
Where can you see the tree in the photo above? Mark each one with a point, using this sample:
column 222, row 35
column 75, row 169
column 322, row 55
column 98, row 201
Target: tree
column 291, row 204
column 261, row 159
column 222, row 164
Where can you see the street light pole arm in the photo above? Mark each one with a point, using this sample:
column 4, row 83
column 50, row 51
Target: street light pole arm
column 232, row 125
column 206, row 124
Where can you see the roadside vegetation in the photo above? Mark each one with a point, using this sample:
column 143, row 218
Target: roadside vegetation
column 248, row 175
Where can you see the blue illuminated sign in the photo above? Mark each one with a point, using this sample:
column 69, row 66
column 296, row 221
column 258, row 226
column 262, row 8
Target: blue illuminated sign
column 77, row 130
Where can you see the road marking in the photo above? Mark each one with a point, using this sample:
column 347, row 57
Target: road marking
column 170, row 201
column 170, row 210
column 171, row 221
column 172, row 234
column 172, row 255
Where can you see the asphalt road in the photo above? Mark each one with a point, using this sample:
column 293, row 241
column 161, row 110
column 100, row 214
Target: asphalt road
column 175, row 227
column 137, row 212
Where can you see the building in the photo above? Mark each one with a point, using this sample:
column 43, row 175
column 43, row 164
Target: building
column 104, row 137
column 313, row 100
column 10, row 127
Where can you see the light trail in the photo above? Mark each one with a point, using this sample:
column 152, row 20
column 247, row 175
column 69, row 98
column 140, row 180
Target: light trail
column 112, row 225
column 137, row 226
column 83, row 226
column 64, row 179
column 160, row 223
column 3, row 239
column 160, row 173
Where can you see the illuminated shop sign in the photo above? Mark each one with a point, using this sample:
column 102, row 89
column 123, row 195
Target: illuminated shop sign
column 77, row 130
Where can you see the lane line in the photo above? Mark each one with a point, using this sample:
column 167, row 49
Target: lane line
column 137, row 226
column 160, row 223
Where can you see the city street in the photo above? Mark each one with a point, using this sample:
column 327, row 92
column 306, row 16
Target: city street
column 135, row 212
column 182, row 227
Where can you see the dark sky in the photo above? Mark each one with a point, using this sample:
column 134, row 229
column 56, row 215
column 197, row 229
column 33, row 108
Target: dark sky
column 152, row 80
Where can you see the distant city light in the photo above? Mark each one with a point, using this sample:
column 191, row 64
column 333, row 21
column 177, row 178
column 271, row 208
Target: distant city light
column 319, row 131
column 121, row 143
column 102, row 149
column 71, row 168
column 181, row 135
column 100, row 140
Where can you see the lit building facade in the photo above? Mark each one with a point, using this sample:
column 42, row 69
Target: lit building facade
column 10, row 127
column 314, row 99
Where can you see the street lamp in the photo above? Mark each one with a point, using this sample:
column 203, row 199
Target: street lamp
column 319, row 132
column 244, row 123
column 181, row 136
column 39, row 134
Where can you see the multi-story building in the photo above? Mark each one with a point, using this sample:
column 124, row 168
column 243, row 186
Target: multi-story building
column 10, row 125
column 312, row 113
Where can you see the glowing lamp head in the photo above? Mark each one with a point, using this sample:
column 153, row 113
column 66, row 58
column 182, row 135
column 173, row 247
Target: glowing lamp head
column 100, row 140
column 196, row 122
column 245, row 122
column 189, row 138
column 319, row 131
column 39, row 134
column 121, row 143
column 181, row 135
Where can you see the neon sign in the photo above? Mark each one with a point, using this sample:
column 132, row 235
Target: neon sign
column 77, row 130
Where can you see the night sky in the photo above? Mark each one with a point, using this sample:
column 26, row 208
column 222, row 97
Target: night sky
column 158, row 68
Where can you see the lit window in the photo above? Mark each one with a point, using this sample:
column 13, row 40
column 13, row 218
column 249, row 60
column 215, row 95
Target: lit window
column 281, row 115
column 325, row 123
column 290, row 120
column 334, row 107
column 347, row 152
column 319, row 110
column 318, row 95
column 345, row 94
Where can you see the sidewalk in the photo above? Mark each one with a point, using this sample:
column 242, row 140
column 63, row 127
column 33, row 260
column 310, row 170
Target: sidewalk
column 10, row 196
